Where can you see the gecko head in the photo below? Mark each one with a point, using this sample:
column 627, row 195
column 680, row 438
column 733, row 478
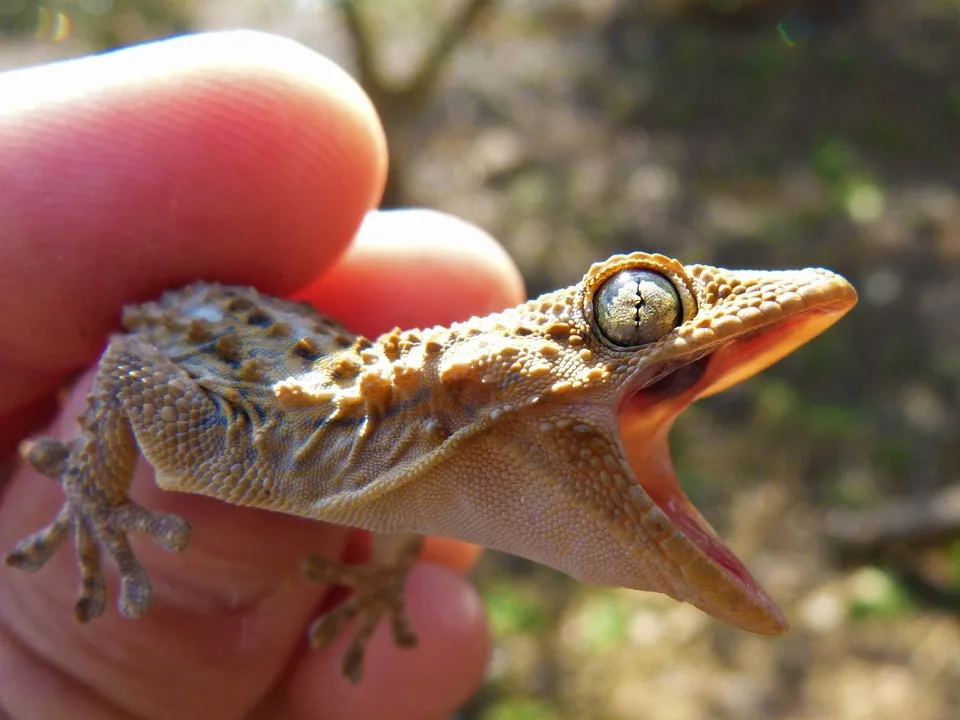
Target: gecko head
column 653, row 336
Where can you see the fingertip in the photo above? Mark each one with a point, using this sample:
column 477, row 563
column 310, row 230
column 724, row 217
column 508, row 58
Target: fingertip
column 416, row 268
column 238, row 156
column 253, row 57
column 453, row 554
column 428, row 681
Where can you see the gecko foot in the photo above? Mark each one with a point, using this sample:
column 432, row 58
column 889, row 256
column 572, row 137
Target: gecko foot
column 378, row 591
column 96, row 524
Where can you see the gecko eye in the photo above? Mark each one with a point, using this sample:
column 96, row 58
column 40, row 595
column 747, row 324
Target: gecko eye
column 635, row 307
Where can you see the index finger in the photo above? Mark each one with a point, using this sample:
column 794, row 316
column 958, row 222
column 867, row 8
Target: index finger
column 234, row 156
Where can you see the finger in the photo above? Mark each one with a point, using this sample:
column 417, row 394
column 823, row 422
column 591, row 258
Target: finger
column 414, row 267
column 428, row 681
column 452, row 554
column 459, row 556
column 231, row 609
column 239, row 157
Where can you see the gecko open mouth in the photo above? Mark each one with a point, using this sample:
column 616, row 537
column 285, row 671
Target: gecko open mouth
column 645, row 419
column 676, row 381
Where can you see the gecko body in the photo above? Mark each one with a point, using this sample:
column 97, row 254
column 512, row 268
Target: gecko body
column 540, row 430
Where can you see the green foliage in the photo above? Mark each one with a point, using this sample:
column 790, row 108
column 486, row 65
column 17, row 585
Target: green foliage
column 19, row 17
column 852, row 188
column 834, row 161
column 603, row 621
column 522, row 709
column 846, row 62
column 514, row 609
column 777, row 400
column 835, row 418
column 879, row 594
column 950, row 105
column 954, row 552
column 894, row 455
column 765, row 60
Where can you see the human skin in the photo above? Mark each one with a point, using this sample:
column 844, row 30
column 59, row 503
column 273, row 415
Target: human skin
column 241, row 158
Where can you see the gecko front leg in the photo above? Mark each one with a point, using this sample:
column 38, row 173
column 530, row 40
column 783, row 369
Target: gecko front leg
column 139, row 399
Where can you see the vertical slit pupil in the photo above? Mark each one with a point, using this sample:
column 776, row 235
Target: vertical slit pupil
column 637, row 306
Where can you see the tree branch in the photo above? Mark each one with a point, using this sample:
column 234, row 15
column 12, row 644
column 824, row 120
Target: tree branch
column 425, row 79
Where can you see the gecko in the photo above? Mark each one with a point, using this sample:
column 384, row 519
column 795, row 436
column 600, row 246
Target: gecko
column 540, row 431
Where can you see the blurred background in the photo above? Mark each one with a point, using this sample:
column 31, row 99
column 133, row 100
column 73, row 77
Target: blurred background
column 758, row 133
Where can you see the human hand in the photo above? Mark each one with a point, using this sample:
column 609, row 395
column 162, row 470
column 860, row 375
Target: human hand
column 247, row 159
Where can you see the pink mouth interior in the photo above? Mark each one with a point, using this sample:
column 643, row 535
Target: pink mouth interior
column 670, row 498
column 718, row 551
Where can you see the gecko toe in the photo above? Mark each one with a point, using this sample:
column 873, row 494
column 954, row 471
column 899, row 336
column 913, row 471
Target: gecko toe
column 136, row 593
column 93, row 587
column 352, row 667
column 326, row 628
column 48, row 456
column 377, row 592
column 171, row 532
column 33, row 552
column 403, row 636
column 324, row 571
column 94, row 530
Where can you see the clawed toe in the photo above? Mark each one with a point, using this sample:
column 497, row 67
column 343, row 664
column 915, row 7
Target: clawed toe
column 403, row 636
column 93, row 587
column 171, row 532
column 326, row 628
column 48, row 456
column 94, row 532
column 378, row 591
column 33, row 552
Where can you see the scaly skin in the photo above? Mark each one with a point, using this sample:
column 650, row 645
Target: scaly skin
column 541, row 431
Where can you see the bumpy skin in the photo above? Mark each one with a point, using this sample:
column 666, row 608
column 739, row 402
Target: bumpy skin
column 540, row 431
